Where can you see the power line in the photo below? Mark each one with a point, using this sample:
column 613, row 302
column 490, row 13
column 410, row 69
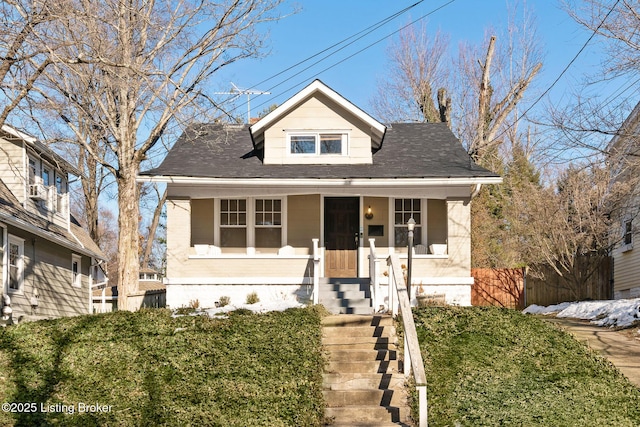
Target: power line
column 584, row 46
column 346, row 58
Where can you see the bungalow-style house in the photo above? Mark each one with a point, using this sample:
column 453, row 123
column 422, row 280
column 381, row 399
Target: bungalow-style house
column 625, row 149
column 48, row 262
column 315, row 191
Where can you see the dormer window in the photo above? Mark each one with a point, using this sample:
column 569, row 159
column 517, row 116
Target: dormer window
column 318, row 144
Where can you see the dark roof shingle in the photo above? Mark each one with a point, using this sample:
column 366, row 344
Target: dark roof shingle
column 409, row 150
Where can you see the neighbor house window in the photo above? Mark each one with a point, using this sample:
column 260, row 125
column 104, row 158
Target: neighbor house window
column 76, row 271
column 33, row 171
column 233, row 223
column 627, row 238
column 318, row 143
column 405, row 209
column 16, row 263
column 268, row 225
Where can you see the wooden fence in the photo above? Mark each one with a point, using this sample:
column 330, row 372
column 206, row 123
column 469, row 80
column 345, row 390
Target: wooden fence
column 547, row 287
column 503, row 287
column 514, row 288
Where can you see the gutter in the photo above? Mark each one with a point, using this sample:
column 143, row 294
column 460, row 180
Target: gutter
column 342, row 182
column 48, row 235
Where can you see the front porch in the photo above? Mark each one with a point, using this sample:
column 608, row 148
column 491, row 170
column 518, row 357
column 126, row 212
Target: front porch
column 281, row 246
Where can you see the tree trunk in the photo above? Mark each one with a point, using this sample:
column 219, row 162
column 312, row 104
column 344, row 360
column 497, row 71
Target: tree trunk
column 128, row 238
column 152, row 229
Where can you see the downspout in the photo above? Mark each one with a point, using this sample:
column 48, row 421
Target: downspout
column 5, row 260
column 476, row 190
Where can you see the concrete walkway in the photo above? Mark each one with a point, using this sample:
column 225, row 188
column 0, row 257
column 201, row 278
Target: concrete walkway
column 620, row 347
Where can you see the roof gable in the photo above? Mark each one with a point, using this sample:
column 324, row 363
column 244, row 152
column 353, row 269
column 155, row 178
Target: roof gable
column 376, row 129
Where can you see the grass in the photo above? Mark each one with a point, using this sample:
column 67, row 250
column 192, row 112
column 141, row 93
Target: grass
column 155, row 370
column 491, row 367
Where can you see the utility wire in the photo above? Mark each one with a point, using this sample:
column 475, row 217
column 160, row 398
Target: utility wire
column 346, row 58
column 584, row 46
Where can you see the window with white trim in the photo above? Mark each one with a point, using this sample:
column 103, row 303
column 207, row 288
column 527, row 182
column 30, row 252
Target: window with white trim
column 330, row 143
column 33, row 171
column 627, row 237
column 268, row 223
column 403, row 210
column 16, row 264
column 233, row 223
column 76, row 271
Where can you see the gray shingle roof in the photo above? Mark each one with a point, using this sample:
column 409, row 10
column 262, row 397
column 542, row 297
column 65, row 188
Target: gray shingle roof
column 409, row 150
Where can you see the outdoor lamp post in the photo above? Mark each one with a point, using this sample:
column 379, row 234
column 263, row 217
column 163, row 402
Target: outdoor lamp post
column 411, row 224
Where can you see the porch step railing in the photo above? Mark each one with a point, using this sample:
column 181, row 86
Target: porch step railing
column 413, row 363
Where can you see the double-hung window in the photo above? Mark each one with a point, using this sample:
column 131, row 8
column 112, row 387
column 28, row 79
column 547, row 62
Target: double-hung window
column 76, row 271
column 627, row 235
column 268, row 225
column 16, row 264
column 251, row 222
column 318, row 143
column 233, row 223
column 405, row 209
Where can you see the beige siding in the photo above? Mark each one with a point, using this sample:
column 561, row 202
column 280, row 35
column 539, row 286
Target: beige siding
column 380, row 211
column 47, row 267
column 436, row 221
column 223, row 268
column 12, row 167
column 317, row 114
column 626, row 268
column 303, row 220
column 178, row 234
column 202, row 214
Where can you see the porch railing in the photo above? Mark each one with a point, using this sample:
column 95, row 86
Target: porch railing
column 374, row 276
column 316, row 271
column 413, row 362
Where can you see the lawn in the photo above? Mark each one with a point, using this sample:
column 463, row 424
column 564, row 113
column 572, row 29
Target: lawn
column 490, row 367
column 148, row 368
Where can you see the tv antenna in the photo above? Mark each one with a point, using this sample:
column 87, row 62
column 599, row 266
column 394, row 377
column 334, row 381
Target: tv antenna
column 237, row 91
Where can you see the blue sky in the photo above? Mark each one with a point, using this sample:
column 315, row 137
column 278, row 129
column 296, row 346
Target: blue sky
column 321, row 23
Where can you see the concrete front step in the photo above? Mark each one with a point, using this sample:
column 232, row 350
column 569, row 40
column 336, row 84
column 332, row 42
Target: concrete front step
column 362, row 381
column 364, row 355
column 344, row 398
column 357, row 367
column 360, row 331
column 357, row 320
column 367, row 414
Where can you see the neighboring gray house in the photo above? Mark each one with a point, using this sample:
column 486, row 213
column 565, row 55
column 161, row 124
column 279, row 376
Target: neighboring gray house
column 316, row 190
column 48, row 261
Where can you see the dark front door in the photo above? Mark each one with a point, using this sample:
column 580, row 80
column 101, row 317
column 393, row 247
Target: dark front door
column 341, row 225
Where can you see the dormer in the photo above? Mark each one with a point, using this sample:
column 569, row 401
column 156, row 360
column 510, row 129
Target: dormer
column 317, row 126
column 37, row 176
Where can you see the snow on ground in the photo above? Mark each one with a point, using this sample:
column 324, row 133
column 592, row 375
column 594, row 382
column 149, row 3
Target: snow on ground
column 619, row 313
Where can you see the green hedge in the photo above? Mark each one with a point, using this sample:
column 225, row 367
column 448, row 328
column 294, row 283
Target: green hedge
column 153, row 369
column 489, row 366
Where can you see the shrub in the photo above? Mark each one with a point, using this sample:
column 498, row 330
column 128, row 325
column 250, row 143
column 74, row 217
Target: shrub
column 252, row 298
column 224, row 300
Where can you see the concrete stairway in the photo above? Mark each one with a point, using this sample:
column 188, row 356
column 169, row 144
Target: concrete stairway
column 345, row 295
column 362, row 383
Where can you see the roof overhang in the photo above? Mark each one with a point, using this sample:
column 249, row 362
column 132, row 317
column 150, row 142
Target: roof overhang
column 377, row 129
column 325, row 182
column 30, row 228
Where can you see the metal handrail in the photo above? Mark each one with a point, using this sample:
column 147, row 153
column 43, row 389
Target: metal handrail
column 413, row 362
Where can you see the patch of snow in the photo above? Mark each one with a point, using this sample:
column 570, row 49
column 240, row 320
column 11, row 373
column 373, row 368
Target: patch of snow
column 620, row 313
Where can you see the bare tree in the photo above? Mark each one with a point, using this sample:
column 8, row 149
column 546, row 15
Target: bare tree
column 148, row 63
column 23, row 54
column 417, row 64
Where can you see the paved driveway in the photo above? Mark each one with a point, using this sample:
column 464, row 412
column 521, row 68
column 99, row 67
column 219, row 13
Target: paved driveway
column 621, row 347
